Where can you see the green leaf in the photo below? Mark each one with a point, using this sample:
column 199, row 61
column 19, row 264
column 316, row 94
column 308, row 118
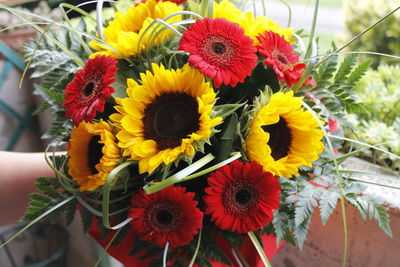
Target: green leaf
column 345, row 68
column 43, row 106
column 280, row 222
column 40, row 198
column 87, row 220
column 370, row 208
column 326, row 71
column 358, row 72
column 382, row 216
column 226, row 110
column 70, row 210
column 305, row 202
column 227, row 138
column 301, row 231
column 327, row 203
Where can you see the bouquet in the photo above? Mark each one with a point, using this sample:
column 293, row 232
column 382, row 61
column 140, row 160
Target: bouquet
column 196, row 133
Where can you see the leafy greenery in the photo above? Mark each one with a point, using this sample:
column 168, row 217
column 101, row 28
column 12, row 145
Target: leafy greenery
column 48, row 198
column 379, row 90
column 57, row 69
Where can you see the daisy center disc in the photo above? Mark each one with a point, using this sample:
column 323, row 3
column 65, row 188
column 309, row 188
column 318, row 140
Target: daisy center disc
column 218, row 50
column 240, row 197
column 243, row 196
column 89, row 88
column 281, row 58
column 164, row 216
column 170, row 118
column 94, row 153
column 280, row 138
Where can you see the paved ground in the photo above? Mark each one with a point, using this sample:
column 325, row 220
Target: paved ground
column 329, row 21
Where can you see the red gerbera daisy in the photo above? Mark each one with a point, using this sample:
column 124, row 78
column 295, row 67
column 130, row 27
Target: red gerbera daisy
column 241, row 197
column 220, row 50
column 87, row 92
column 279, row 55
column 169, row 215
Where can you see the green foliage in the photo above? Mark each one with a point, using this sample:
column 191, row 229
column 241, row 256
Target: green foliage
column 369, row 207
column 328, row 202
column 379, row 90
column 57, row 69
column 49, row 196
column 333, row 94
column 360, row 14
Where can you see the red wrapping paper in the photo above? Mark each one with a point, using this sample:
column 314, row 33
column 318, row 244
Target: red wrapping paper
column 121, row 252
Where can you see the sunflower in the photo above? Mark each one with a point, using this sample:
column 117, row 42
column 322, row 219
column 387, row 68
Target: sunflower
column 220, row 50
column 93, row 154
column 170, row 215
column 241, row 197
column 165, row 118
column 128, row 34
column 279, row 55
column 283, row 136
column 86, row 93
column 253, row 26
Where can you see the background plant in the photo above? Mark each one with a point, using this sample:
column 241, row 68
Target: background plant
column 379, row 124
column 359, row 14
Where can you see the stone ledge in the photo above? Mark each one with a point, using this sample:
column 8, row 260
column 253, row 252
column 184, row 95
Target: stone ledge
column 368, row 245
column 390, row 196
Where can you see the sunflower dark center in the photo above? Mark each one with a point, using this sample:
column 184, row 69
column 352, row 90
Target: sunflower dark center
column 164, row 216
column 218, row 51
column 89, row 89
column 170, row 118
column 241, row 197
column 94, row 153
column 280, row 138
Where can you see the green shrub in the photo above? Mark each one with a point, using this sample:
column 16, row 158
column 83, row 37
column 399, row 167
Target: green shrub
column 380, row 91
column 380, row 125
column 385, row 38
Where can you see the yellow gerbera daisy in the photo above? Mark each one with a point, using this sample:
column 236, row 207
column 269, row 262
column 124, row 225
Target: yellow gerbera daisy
column 252, row 26
column 93, row 154
column 283, row 136
column 165, row 118
column 128, row 34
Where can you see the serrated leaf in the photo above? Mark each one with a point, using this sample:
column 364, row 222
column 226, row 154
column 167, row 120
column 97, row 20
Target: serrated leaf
column 369, row 207
column 301, row 231
column 70, row 211
column 326, row 70
column 383, row 219
column 358, row 72
column 327, row 203
column 280, row 222
column 87, row 220
column 305, row 202
column 40, row 198
column 43, row 107
column 345, row 68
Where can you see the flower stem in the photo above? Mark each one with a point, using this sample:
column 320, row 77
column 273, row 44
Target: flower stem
column 344, row 229
column 259, row 249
